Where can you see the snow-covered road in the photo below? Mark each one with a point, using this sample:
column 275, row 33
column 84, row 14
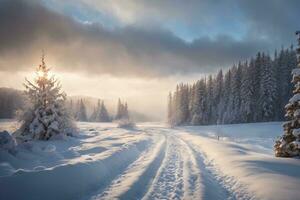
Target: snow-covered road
column 171, row 169
column 153, row 162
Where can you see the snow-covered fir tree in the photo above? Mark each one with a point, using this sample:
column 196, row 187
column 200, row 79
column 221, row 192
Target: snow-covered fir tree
column 119, row 110
column 191, row 100
column 81, row 114
column 284, row 63
column 70, row 106
column 95, row 113
column 226, row 98
column 100, row 113
column 209, row 100
column 289, row 144
column 267, row 98
column 122, row 111
column 183, row 104
column 125, row 111
column 247, row 92
column 199, row 109
column 103, row 115
column 217, row 95
column 47, row 117
column 256, row 86
column 93, row 116
column 170, row 109
column 234, row 96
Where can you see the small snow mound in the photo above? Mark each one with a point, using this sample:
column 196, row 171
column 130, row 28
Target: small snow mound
column 7, row 142
column 126, row 124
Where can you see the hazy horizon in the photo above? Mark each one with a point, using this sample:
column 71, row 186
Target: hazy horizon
column 137, row 50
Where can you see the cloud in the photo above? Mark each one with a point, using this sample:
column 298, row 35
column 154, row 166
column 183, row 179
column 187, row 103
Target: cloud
column 275, row 19
column 139, row 51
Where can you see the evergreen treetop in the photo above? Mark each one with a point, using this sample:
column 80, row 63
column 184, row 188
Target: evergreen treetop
column 47, row 117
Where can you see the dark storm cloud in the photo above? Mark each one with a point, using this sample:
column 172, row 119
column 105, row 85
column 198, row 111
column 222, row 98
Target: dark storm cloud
column 275, row 20
column 268, row 19
column 26, row 27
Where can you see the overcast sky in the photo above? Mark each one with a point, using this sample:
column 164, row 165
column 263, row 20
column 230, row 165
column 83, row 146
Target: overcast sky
column 137, row 49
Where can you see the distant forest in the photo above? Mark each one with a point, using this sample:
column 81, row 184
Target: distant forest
column 99, row 114
column 255, row 90
column 12, row 100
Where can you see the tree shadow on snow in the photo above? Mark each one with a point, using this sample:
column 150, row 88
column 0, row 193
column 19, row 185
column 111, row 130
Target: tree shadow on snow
column 276, row 167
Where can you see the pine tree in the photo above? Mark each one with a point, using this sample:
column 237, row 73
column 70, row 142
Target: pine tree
column 93, row 116
column 122, row 111
column 125, row 114
column 256, row 86
column 71, row 108
column 289, row 144
column 217, row 95
column 279, row 111
column 183, row 105
column 48, row 116
column 267, row 97
column 209, row 99
column 81, row 115
column 247, row 93
column 119, row 110
column 262, row 85
column 103, row 114
column 226, row 97
column 176, row 106
column 283, row 80
column 199, row 113
column 170, row 109
column 235, row 96
column 291, row 63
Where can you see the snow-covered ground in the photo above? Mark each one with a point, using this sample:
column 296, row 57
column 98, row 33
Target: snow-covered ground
column 152, row 161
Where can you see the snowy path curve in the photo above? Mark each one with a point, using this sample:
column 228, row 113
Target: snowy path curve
column 215, row 184
column 178, row 177
column 150, row 161
column 172, row 168
column 144, row 163
column 128, row 181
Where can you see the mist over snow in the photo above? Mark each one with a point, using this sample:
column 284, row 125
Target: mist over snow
column 145, row 47
column 149, row 99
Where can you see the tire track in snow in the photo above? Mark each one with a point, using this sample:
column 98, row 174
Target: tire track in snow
column 216, row 185
column 128, row 184
column 136, row 191
column 169, row 181
column 113, row 166
column 74, row 180
column 192, row 174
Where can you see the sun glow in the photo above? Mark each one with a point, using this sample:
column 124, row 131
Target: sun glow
column 40, row 73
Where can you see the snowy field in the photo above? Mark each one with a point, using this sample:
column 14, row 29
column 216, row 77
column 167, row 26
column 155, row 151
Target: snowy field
column 152, row 161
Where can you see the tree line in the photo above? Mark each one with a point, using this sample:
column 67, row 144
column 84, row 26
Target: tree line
column 11, row 101
column 99, row 114
column 255, row 90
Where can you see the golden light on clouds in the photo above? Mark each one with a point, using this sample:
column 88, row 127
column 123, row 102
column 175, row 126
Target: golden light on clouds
column 143, row 95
